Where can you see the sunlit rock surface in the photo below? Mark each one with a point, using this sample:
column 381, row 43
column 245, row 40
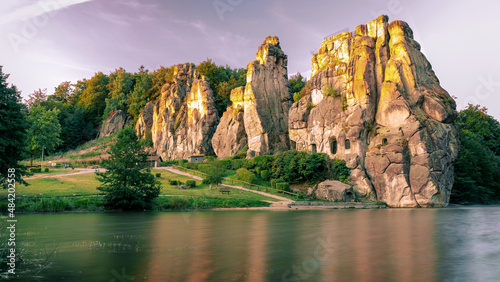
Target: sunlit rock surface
column 184, row 119
column 385, row 114
column 267, row 100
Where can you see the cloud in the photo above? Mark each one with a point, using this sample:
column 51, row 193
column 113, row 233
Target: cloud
column 29, row 11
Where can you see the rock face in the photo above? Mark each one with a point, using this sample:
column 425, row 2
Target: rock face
column 184, row 119
column 377, row 104
column 267, row 100
column 145, row 121
column 115, row 122
column 230, row 136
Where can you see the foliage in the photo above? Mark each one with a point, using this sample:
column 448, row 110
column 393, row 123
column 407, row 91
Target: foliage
column 93, row 98
column 298, row 167
column 264, row 174
column 477, row 170
column 120, row 86
column 283, row 186
column 193, row 203
column 128, row 183
column 329, row 91
column 222, row 80
column 344, row 103
column 44, row 130
column 246, row 175
column 338, row 170
column 171, row 162
column 172, row 182
column 297, row 83
column 37, row 98
column 13, row 127
column 310, row 106
column 276, row 181
column 158, row 175
column 35, row 169
column 191, row 183
column 215, row 174
column 306, row 90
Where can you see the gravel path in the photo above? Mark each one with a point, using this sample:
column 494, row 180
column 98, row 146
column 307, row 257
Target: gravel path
column 283, row 199
column 78, row 171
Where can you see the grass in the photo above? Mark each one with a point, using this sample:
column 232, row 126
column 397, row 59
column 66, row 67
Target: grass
column 55, row 194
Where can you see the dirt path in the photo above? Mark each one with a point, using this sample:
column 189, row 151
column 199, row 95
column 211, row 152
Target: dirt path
column 78, row 171
column 282, row 199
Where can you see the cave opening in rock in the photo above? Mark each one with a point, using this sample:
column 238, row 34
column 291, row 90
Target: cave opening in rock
column 333, row 146
column 313, row 148
column 347, row 144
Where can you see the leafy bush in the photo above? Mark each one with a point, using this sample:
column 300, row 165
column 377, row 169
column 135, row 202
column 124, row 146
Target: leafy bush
column 167, row 163
column 191, row 183
column 298, row 167
column 182, row 162
column 339, row 171
column 328, row 91
column 246, row 175
column 46, row 169
column 35, row 169
column 297, row 96
column 173, row 182
column 158, row 175
column 276, row 181
column 264, row 174
column 283, row 186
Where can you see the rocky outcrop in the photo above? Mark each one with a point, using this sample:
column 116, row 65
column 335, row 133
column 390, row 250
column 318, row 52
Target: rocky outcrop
column 377, row 104
column 184, row 119
column 145, row 120
column 115, row 122
column 333, row 191
column 230, row 136
column 267, row 100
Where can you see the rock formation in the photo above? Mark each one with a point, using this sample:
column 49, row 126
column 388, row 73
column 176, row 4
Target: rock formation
column 230, row 136
column 267, row 100
column 184, row 119
column 115, row 122
column 377, row 104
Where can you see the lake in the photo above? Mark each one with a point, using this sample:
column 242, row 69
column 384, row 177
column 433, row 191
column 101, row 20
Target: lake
column 451, row 244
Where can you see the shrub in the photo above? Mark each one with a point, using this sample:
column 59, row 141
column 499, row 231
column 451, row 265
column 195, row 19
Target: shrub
column 283, row 186
column 310, row 106
column 191, row 183
column 35, row 169
column 182, row 162
column 173, row 182
column 328, row 91
column 158, row 175
column 275, row 181
column 172, row 162
column 46, row 169
column 264, row 174
column 297, row 96
column 246, row 175
column 257, row 170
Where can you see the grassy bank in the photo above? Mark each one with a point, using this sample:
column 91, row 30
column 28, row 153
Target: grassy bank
column 79, row 193
column 60, row 204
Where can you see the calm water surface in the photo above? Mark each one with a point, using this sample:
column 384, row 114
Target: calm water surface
column 453, row 244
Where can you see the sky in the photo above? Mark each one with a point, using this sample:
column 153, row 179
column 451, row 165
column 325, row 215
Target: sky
column 46, row 42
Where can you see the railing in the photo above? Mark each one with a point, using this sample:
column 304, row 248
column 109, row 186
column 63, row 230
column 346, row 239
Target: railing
column 244, row 184
column 335, row 33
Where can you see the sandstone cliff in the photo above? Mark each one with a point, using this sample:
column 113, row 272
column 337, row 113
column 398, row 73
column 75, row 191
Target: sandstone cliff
column 267, row 100
column 115, row 122
column 230, row 136
column 183, row 121
column 377, row 104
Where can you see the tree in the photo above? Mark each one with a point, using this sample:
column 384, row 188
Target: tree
column 477, row 169
column 12, row 132
column 297, row 83
column 141, row 93
column 62, row 92
column 121, row 84
column 44, row 130
column 37, row 98
column 93, row 98
column 215, row 173
column 128, row 183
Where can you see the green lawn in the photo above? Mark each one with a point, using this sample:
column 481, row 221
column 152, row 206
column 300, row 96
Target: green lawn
column 86, row 184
